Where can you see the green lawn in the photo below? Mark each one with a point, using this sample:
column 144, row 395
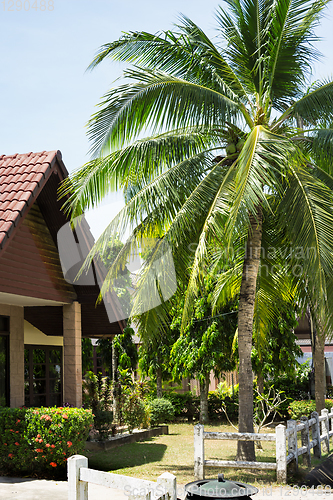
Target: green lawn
column 174, row 453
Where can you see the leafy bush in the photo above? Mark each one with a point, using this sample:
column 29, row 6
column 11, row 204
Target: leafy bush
column 134, row 412
column 103, row 420
column 184, row 404
column 187, row 405
column 96, row 391
column 297, row 409
column 41, row 439
column 161, row 411
column 217, row 403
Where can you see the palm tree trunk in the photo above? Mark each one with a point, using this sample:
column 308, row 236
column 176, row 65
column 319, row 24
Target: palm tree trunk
column 115, row 392
column 204, row 385
column 159, row 391
column 245, row 449
column 319, row 370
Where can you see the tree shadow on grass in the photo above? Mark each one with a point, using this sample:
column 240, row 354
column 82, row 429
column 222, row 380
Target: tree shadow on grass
column 130, row 455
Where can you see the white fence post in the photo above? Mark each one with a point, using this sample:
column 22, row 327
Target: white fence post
column 292, row 443
column 305, row 436
column 169, row 483
column 325, row 431
column 316, row 435
column 77, row 490
column 199, row 451
column 281, row 454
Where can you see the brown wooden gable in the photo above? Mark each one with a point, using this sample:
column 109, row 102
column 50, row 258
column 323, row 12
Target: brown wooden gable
column 30, row 264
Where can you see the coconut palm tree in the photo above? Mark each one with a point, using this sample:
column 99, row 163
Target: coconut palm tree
column 233, row 146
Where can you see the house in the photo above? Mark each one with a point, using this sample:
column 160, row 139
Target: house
column 303, row 340
column 42, row 315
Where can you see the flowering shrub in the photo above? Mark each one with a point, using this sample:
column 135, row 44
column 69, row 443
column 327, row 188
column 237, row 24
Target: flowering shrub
column 41, row 439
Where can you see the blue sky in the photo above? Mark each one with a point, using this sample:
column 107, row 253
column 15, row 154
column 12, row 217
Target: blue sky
column 46, row 95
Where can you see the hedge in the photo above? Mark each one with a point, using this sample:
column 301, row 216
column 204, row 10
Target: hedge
column 297, row 409
column 40, row 440
column 187, row 405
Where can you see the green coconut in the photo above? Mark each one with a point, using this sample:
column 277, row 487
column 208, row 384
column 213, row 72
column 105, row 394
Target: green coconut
column 240, row 144
column 230, row 149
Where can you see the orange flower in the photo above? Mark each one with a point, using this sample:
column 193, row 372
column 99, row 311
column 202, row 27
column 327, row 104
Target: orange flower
column 39, row 450
column 69, row 443
column 10, row 455
column 18, row 421
column 53, row 464
column 52, row 446
column 38, row 435
column 40, row 440
column 65, row 415
column 17, row 444
column 47, row 445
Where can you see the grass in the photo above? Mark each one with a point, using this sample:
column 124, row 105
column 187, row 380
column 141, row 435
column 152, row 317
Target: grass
column 174, row 453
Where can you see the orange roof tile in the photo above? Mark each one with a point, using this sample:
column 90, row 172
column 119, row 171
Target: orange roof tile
column 22, row 176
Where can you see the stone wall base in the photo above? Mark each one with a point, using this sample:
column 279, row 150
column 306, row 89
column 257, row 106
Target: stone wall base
column 126, row 439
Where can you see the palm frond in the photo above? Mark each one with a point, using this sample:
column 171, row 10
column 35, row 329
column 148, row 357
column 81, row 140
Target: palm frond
column 138, row 163
column 157, row 100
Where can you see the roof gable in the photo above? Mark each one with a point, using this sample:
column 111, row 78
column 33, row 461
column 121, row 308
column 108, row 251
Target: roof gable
column 22, row 177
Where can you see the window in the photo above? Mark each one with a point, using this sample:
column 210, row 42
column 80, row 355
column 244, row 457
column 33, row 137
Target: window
column 4, row 361
column 43, row 375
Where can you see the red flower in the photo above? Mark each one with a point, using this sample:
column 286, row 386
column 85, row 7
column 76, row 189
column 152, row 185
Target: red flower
column 65, row 415
column 11, row 430
column 17, row 444
column 52, row 446
column 69, row 443
column 5, row 444
column 47, row 445
column 40, row 440
column 10, row 455
column 38, row 435
column 53, row 464
column 18, row 421
column 16, row 432
column 39, row 450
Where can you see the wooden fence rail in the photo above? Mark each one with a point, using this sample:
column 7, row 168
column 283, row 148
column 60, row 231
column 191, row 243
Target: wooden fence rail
column 286, row 445
column 79, row 475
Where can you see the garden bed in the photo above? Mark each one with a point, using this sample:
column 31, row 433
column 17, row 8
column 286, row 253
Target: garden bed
column 121, row 439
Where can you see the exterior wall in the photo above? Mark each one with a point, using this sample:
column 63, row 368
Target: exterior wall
column 16, row 353
column 72, row 354
column 30, row 264
column 34, row 336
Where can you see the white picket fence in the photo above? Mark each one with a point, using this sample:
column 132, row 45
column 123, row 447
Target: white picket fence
column 286, row 445
column 79, row 475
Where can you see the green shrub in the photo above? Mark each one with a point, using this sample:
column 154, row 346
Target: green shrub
column 161, row 411
column 134, row 412
column 218, row 401
column 103, row 420
column 184, row 404
column 41, row 439
column 297, row 409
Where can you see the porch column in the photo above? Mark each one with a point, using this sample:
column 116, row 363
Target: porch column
column 16, row 354
column 72, row 354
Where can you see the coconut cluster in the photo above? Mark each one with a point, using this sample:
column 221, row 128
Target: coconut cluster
column 234, row 147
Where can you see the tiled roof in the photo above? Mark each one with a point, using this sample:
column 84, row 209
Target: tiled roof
column 21, row 178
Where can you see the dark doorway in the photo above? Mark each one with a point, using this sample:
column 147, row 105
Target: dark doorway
column 43, row 375
column 4, row 361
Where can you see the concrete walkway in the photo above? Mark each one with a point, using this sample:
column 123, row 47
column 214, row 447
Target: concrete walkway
column 12, row 488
